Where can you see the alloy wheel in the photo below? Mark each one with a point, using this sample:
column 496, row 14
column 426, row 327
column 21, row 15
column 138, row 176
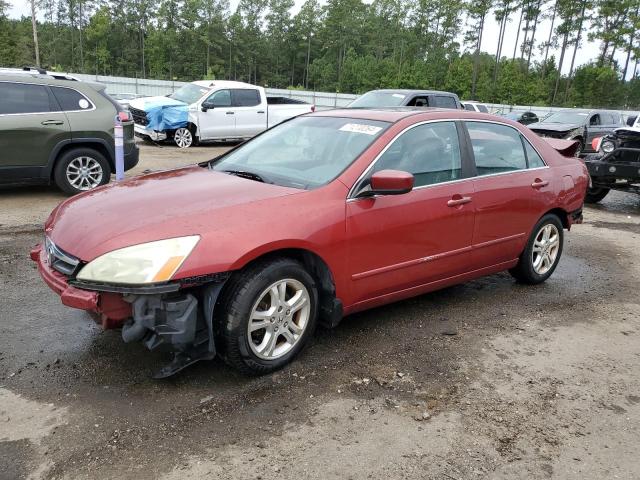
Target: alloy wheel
column 279, row 319
column 545, row 249
column 183, row 137
column 84, row 173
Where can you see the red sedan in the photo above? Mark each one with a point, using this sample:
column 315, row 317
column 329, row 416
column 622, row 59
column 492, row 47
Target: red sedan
column 322, row 216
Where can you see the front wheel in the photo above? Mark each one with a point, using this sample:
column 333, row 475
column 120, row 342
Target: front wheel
column 595, row 194
column 269, row 313
column 183, row 137
column 542, row 253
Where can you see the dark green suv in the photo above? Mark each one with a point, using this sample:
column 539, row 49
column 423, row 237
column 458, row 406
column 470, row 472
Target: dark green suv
column 55, row 129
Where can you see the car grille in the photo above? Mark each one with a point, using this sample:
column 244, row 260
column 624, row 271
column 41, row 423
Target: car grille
column 550, row 133
column 60, row 261
column 139, row 116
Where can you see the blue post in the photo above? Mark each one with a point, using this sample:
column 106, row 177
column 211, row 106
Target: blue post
column 118, row 135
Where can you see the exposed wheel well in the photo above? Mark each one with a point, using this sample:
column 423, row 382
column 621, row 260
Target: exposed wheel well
column 94, row 146
column 192, row 128
column 561, row 214
column 320, row 272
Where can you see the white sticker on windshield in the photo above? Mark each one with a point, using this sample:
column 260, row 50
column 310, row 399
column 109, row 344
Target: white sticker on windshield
column 397, row 95
column 360, row 128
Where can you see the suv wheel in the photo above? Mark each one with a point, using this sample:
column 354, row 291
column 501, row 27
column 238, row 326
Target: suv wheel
column 269, row 314
column 81, row 169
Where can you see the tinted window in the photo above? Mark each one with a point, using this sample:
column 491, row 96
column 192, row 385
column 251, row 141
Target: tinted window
column 418, row 102
column 221, row 98
column 496, row 148
column 483, row 109
column 246, row 98
column 595, row 120
column 24, row 98
column 70, row 99
column 534, row 160
column 430, row 152
column 468, row 106
column 443, row 102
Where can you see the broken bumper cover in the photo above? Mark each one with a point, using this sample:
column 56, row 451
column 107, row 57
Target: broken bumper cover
column 154, row 135
column 108, row 309
column 603, row 169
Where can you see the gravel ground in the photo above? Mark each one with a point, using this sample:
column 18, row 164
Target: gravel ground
column 486, row 380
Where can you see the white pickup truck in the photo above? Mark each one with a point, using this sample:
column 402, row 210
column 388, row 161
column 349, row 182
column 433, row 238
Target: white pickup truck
column 212, row 110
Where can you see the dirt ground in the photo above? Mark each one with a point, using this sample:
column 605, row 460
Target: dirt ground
column 486, row 380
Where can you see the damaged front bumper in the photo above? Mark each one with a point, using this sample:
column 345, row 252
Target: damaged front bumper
column 154, row 135
column 177, row 317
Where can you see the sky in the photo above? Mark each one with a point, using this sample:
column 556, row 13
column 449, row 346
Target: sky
column 587, row 52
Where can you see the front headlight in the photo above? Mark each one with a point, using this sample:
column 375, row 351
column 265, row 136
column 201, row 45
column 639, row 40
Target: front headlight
column 140, row 264
column 607, row 146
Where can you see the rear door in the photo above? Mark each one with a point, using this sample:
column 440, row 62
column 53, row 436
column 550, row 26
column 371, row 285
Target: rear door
column 219, row 121
column 250, row 111
column 31, row 125
column 397, row 242
column 505, row 191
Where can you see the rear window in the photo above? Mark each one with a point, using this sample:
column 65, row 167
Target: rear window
column 25, row 98
column 443, row 101
column 71, row 100
column 379, row 100
column 245, row 98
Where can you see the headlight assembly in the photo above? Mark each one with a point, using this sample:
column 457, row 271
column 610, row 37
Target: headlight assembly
column 607, row 146
column 140, row 264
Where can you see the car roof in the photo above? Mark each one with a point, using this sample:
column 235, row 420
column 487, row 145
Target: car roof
column 409, row 91
column 47, row 79
column 397, row 114
column 223, row 84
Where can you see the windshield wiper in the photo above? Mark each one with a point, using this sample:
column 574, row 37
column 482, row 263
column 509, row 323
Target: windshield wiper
column 245, row 174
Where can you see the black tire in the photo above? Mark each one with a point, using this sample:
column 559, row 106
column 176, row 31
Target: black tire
column 580, row 148
column 238, row 299
column 524, row 271
column 595, row 194
column 60, row 170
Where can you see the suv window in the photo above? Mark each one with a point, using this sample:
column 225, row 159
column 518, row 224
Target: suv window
column 431, row 152
column 443, row 102
column 496, row 148
column 221, row 98
column 70, row 99
column 25, row 98
column 245, row 98
column 419, row 101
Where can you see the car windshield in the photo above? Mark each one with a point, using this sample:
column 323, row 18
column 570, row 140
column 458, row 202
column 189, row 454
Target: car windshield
column 379, row 99
column 189, row 93
column 305, row 152
column 566, row 117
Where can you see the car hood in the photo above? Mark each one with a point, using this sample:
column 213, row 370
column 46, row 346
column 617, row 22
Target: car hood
column 147, row 103
column 554, row 127
column 187, row 201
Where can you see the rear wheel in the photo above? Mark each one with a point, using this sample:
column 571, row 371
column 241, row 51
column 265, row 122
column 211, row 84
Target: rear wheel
column 81, row 169
column 595, row 194
column 269, row 314
column 542, row 253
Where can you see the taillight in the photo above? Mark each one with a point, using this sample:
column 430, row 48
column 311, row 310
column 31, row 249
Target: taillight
column 313, row 108
column 125, row 116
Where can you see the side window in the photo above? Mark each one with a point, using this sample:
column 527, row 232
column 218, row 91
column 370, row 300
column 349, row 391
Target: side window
column 468, row 106
column 496, row 148
column 431, row 152
column 221, row 98
column 419, row 101
column 245, row 98
column 443, row 102
column 70, row 99
column 533, row 159
column 482, row 108
column 24, row 98
column 595, row 120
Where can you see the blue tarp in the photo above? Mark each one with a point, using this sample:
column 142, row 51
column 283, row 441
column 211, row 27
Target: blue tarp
column 164, row 113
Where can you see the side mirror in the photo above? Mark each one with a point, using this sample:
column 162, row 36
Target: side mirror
column 390, row 182
column 207, row 106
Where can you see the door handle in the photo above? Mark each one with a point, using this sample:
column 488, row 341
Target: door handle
column 458, row 200
column 229, row 113
column 537, row 183
column 52, row 122
column 260, row 111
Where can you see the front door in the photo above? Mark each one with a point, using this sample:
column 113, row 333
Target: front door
column 31, row 125
column 398, row 242
column 218, row 121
